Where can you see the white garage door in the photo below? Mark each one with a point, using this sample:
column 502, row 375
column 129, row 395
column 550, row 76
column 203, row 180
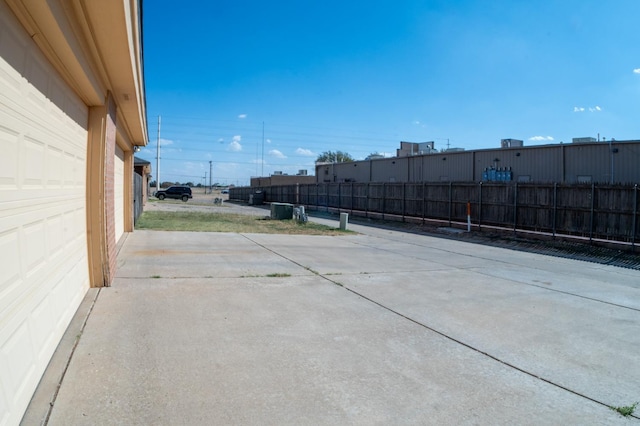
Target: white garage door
column 43, row 244
column 118, row 180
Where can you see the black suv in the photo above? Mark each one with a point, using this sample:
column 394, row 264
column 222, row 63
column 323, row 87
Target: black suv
column 178, row 192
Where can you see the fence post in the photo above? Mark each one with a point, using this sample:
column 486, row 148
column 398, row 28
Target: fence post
column 352, row 199
column 555, row 207
column 326, row 197
column 384, row 198
column 450, row 201
column 404, row 199
column 480, row 206
column 366, row 211
column 593, row 192
column 424, row 200
column 515, row 207
column 635, row 213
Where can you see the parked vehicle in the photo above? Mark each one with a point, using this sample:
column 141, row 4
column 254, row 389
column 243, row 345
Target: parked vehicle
column 177, row 192
column 224, row 191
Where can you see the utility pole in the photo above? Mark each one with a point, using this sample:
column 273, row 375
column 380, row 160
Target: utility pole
column 158, row 159
column 262, row 173
column 210, row 187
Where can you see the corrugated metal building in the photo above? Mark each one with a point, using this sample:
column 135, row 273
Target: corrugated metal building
column 604, row 162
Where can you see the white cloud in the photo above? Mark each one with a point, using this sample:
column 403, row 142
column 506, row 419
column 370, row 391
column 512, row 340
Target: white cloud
column 636, row 71
column 590, row 109
column 541, row 138
column 241, row 116
column 305, row 152
column 221, row 140
column 277, row 154
column 235, row 146
column 268, row 140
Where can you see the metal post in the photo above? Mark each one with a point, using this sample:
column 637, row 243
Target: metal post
column 480, row 206
column 158, row 158
column 593, row 191
column 555, row 206
column 352, row 199
column 450, row 201
column 384, row 198
column 424, row 201
column 635, row 213
column 515, row 207
column 366, row 211
column 404, row 199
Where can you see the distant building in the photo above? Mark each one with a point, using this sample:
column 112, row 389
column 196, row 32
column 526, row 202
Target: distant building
column 408, row 149
column 612, row 161
column 279, row 178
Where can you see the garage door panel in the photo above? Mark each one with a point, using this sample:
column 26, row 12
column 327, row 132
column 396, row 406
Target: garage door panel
column 33, row 162
column 43, row 244
column 9, row 157
column 16, row 352
column 9, row 252
column 33, row 247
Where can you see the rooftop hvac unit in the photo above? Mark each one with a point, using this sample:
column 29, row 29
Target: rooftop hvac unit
column 302, row 172
column 583, row 140
column 510, row 143
column 277, row 173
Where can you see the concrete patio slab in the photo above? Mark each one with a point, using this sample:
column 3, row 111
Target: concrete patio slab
column 382, row 327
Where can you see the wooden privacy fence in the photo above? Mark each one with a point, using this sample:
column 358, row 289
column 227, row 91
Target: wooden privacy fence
column 603, row 212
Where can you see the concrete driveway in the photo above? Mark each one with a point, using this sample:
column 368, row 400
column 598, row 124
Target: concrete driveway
column 382, row 327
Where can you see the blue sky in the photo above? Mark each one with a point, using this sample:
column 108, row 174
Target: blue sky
column 362, row 76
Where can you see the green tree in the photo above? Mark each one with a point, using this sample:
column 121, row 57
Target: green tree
column 374, row 155
column 334, row 157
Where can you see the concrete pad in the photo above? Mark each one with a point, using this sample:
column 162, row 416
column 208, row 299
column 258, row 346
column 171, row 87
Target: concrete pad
column 151, row 254
column 560, row 337
column 377, row 328
column 286, row 351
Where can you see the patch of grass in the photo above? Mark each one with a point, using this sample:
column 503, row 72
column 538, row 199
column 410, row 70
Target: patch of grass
column 156, row 276
column 626, row 410
column 229, row 222
column 274, row 275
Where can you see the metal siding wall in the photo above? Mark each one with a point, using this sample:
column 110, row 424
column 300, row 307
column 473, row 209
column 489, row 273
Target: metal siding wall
column 389, row 170
column 587, row 160
column 43, row 243
column 627, row 163
column 542, row 164
column 450, row 166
